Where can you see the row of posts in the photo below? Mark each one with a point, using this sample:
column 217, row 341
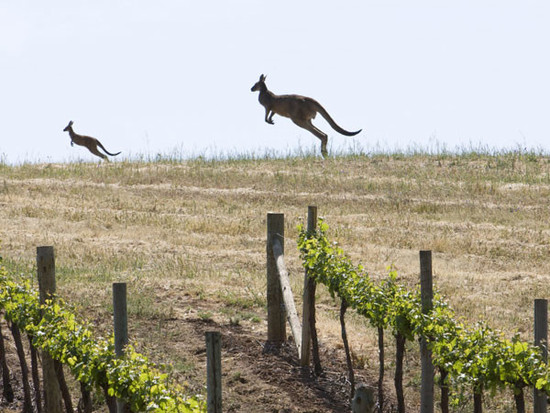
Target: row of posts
column 276, row 308
column 276, row 312
column 53, row 400
column 276, row 324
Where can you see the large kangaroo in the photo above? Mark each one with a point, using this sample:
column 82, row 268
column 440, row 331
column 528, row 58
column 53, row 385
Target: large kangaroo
column 88, row 142
column 300, row 109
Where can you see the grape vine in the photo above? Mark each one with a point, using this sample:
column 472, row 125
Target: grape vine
column 475, row 357
column 92, row 361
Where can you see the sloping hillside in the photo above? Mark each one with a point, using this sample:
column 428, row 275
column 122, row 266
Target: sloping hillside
column 189, row 238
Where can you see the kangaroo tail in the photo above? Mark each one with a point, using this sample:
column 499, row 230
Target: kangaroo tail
column 332, row 123
column 106, row 151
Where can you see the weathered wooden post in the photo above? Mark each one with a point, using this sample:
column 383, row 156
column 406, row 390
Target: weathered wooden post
column 288, row 298
column 276, row 328
column 308, row 311
column 426, row 295
column 213, row 372
column 541, row 339
column 120, row 316
column 45, row 265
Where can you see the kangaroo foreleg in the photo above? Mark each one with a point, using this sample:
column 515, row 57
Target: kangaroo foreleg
column 269, row 116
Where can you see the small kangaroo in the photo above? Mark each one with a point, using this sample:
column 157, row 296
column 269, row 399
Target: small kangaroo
column 88, row 142
column 300, row 109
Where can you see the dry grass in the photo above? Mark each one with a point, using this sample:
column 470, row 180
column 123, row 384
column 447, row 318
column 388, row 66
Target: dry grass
column 197, row 229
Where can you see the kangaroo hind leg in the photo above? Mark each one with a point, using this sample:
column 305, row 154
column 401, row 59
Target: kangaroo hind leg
column 307, row 125
column 93, row 149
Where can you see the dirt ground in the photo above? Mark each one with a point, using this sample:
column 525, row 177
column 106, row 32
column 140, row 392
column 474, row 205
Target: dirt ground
column 256, row 376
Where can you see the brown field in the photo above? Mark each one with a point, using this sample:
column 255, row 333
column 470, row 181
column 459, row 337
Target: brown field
column 189, row 238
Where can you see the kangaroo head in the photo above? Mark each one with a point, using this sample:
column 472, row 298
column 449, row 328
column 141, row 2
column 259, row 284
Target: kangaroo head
column 68, row 126
column 259, row 84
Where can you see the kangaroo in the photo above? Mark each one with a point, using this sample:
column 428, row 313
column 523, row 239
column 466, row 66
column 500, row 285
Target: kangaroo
column 88, row 142
column 300, row 109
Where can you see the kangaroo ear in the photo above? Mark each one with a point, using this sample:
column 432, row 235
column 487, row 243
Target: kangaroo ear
column 262, row 78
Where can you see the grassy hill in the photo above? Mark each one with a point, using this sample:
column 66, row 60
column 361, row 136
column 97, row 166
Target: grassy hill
column 189, row 238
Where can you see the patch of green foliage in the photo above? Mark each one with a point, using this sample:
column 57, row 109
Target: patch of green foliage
column 93, row 362
column 475, row 357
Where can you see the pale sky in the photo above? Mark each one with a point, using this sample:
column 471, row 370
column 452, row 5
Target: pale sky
column 174, row 77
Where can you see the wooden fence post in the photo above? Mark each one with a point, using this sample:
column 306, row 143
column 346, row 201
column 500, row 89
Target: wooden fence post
column 45, row 265
column 541, row 339
column 213, row 372
column 120, row 316
column 426, row 294
column 288, row 299
column 276, row 327
column 308, row 310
